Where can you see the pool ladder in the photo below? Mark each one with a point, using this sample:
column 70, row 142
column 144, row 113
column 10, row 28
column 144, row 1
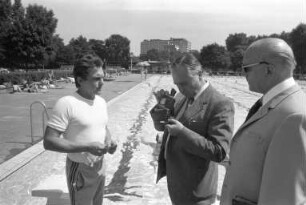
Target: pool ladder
column 44, row 113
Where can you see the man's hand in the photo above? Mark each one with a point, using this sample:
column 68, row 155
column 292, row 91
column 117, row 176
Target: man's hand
column 174, row 127
column 160, row 94
column 112, row 147
column 97, row 148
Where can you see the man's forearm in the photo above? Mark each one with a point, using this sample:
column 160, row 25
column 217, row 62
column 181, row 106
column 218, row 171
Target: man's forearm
column 65, row 146
column 201, row 146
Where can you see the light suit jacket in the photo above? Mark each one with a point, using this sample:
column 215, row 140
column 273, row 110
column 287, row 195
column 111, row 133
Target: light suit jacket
column 268, row 154
column 192, row 173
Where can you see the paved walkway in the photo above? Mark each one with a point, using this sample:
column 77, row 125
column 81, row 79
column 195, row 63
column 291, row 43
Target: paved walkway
column 131, row 172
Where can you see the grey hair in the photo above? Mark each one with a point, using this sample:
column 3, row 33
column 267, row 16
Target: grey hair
column 191, row 62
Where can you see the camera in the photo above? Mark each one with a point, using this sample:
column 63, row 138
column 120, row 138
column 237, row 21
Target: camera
column 164, row 109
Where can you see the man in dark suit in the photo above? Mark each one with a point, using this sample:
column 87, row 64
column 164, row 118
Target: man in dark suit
column 268, row 152
column 196, row 138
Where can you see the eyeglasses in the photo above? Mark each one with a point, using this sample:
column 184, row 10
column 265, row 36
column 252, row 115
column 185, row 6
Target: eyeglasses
column 246, row 68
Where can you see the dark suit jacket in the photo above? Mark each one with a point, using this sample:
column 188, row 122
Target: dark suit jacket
column 192, row 173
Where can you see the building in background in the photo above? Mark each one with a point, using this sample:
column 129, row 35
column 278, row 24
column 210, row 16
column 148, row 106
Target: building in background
column 179, row 44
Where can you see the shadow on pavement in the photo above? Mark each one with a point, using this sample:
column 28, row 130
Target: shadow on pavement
column 54, row 196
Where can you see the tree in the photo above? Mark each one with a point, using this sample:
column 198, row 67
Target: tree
column 98, row 46
column 5, row 10
column 43, row 23
column 80, row 46
column 52, row 51
column 5, row 19
column 284, row 35
column 65, row 55
column 118, row 50
column 214, row 56
column 298, row 40
column 236, row 59
column 143, row 57
column 29, row 35
column 164, row 55
column 251, row 39
column 236, row 45
column 236, row 41
column 153, row 55
column 17, row 11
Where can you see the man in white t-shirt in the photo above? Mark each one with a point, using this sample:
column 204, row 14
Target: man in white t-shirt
column 78, row 127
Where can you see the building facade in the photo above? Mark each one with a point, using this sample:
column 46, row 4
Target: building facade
column 179, row 44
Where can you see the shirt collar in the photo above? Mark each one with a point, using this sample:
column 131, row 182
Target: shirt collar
column 277, row 89
column 202, row 90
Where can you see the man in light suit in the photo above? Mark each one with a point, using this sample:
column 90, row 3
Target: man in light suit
column 197, row 138
column 268, row 152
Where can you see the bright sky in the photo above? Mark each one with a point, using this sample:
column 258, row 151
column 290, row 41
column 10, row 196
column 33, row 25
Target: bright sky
column 199, row 21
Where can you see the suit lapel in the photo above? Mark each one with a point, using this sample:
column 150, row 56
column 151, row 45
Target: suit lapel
column 179, row 104
column 270, row 105
column 199, row 104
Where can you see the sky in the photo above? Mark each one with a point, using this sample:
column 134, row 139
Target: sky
column 201, row 22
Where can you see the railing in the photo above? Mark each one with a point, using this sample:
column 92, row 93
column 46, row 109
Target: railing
column 44, row 113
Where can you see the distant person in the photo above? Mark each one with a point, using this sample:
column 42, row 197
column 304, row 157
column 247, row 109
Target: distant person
column 50, row 75
column 33, row 88
column 16, row 88
column 145, row 73
column 196, row 138
column 141, row 73
column 82, row 120
column 268, row 152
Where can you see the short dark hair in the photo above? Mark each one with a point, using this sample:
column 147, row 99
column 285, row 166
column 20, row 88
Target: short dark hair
column 190, row 61
column 84, row 64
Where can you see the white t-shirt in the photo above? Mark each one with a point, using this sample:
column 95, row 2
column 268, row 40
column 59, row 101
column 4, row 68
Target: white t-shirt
column 81, row 120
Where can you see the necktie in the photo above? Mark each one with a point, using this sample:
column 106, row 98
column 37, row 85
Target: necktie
column 180, row 114
column 190, row 100
column 254, row 109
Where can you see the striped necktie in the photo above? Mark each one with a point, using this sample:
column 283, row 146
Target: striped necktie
column 179, row 116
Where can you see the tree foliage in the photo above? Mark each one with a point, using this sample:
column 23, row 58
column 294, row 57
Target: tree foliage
column 5, row 19
column 298, row 40
column 236, row 41
column 80, row 46
column 153, row 55
column 28, row 37
column 215, row 57
column 236, row 45
column 118, row 50
column 98, row 46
